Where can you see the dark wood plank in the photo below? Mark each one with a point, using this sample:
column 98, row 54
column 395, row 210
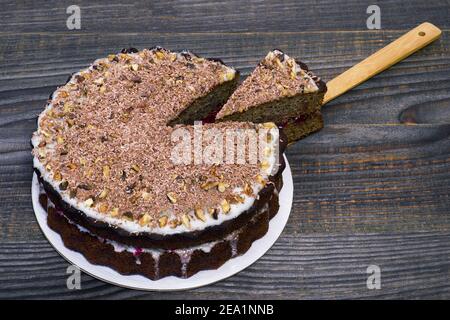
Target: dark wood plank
column 218, row 16
column 413, row 265
column 372, row 179
column 415, row 90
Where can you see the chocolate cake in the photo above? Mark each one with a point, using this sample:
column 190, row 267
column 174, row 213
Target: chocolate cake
column 135, row 184
column 282, row 90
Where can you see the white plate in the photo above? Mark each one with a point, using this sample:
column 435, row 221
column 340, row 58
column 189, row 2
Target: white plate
column 202, row 278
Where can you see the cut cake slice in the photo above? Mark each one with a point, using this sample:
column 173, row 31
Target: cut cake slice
column 280, row 89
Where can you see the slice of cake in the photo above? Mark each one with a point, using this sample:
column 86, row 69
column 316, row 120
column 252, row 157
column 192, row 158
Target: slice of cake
column 128, row 187
column 282, row 90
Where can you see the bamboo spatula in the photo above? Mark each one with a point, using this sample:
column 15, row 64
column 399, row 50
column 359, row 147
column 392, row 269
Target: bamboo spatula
column 384, row 58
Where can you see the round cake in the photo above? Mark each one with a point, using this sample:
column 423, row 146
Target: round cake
column 134, row 180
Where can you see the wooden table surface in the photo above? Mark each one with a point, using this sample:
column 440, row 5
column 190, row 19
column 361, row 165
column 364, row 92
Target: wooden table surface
column 371, row 188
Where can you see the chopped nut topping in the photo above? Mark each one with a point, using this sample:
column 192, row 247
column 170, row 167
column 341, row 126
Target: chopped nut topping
column 238, row 199
column 72, row 166
column 145, row 219
column 265, row 165
column 173, row 56
column 172, row 197
column 186, row 221
column 159, row 55
column 103, row 208
column 293, row 74
column 51, row 114
column 124, row 56
column 225, row 206
column 199, row 214
column 162, row 221
column 174, row 223
column 106, row 171
column 115, row 212
column 267, row 151
column 135, row 67
column 68, row 107
column 89, row 173
column 248, row 191
column 209, row 185
column 45, row 133
column 89, row 202
column 261, row 180
column 99, row 81
column 57, row 176
column 86, row 75
column 222, row 186
column 278, row 62
column 229, row 75
column 70, row 122
column 146, row 195
column 135, row 168
column 103, row 194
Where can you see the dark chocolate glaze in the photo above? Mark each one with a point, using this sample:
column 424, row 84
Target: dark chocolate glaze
column 129, row 50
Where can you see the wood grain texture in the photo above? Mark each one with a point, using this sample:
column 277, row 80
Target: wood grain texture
column 371, row 188
column 320, row 266
column 218, row 16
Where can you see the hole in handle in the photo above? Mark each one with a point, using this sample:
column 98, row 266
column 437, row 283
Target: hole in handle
column 421, row 33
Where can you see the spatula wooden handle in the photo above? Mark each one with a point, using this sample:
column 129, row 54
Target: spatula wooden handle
column 394, row 52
